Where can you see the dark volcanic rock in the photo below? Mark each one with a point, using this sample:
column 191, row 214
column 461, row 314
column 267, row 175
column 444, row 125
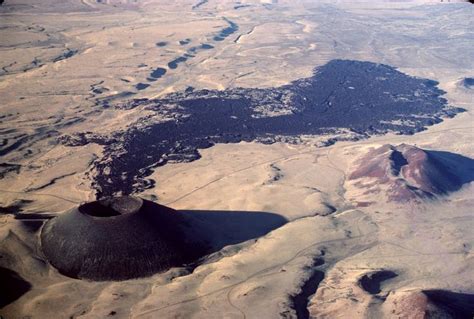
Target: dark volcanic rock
column 118, row 239
column 200, row 3
column 66, row 55
column 174, row 64
column 6, row 168
column 364, row 97
column 413, row 173
column 232, row 28
column 141, row 86
column 127, row 237
column 184, row 42
column 468, row 83
column 158, row 73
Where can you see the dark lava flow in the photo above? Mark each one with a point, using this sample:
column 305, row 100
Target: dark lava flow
column 189, row 54
column 157, row 73
column 233, row 27
column 174, row 63
column 141, row 86
column 184, row 42
column 363, row 97
column 200, row 3
column 66, row 55
column 468, row 83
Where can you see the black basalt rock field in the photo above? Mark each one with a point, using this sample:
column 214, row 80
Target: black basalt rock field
column 363, row 97
column 232, row 28
column 468, row 83
column 412, row 173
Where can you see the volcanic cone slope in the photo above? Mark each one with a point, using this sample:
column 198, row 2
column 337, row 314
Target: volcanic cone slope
column 412, row 173
column 117, row 239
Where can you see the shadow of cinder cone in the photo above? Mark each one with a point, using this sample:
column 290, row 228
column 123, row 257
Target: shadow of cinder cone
column 127, row 237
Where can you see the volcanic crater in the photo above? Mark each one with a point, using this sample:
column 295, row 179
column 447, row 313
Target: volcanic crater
column 127, row 237
column 411, row 173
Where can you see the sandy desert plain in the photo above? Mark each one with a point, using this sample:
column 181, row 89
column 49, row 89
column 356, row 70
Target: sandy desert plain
column 322, row 149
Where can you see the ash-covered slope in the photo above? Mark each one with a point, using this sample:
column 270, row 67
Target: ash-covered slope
column 407, row 172
column 117, row 239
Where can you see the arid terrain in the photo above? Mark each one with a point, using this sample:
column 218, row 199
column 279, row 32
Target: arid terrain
column 317, row 156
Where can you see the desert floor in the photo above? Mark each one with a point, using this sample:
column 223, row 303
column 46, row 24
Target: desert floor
column 61, row 60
